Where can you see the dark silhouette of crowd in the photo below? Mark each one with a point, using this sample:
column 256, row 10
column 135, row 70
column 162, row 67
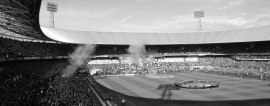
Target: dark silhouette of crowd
column 69, row 91
column 25, row 80
column 15, row 48
column 250, row 57
column 224, row 48
column 20, row 80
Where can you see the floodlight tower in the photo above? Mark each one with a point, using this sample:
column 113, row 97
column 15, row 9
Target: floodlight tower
column 52, row 7
column 199, row 14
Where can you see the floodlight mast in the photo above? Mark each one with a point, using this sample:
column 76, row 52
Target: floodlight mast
column 52, row 7
column 199, row 14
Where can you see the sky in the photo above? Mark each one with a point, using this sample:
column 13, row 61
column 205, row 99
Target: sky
column 167, row 16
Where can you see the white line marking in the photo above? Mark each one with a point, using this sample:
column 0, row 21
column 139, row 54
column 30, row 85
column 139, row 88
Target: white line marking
column 137, row 90
column 127, row 100
column 108, row 86
column 105, row 84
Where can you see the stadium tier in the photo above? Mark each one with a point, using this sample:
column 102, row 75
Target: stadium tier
column 42, row 66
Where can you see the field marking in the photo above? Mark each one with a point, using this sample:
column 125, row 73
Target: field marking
column 107, row 85
column 126, row 99
column 137, row 90
column 234, row 80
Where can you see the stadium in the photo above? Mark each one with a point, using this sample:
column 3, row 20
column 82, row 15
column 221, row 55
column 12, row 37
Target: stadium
column 49, row 65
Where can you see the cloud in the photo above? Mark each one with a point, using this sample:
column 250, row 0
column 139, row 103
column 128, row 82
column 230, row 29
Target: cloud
column 188, row 23
column 125, row 19
column 199, row 8
column 219, row 0
column 231, row 3
column 261, row 19
column 140, row 28
column 81, row 1
column 258, row 20
column 107, row 13
column 174, row 22
column 71, row 24
column 238, row 14
column 184, row 0
column 261, row 1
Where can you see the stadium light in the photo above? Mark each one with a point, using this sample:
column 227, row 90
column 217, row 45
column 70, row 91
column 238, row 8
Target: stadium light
column 199, row 14
column 52, row 7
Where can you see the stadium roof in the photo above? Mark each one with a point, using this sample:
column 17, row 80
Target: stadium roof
column 20, row 18
column 261, row 33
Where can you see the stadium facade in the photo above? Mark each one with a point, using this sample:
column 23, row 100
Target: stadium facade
column 261, row 33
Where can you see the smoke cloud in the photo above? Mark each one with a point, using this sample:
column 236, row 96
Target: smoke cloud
column 78, row 58
column 137, row 53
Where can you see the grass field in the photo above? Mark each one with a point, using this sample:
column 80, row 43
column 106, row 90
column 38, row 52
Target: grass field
column 143, row 91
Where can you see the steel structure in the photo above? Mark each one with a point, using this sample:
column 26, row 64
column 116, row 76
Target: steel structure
column 21, row 17
column 52, row 7
column 199, row 14
column 261, row 33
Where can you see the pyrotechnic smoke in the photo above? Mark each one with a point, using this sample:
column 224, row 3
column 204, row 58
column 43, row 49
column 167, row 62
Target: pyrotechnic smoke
column 137, row 52
column 209, row 67
column 78, row 57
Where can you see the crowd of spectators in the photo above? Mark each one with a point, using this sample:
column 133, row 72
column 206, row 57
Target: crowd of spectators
column 21, row 80
column 6, row 19
column 68, row 91
column 104, row 61
column 219, row 65
column 148, row 66
column 225, row 48
column 15, row 48
column 250, row 57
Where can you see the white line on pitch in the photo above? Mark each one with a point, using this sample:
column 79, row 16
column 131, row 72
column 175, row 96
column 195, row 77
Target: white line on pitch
column 126, row 99
column 105, row 84
column 108, row 86
column 137, row 90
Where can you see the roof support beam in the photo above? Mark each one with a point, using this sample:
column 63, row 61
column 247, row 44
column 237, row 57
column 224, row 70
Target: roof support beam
column 26, row 16
column 16, row 12
column 9, row 7
column 20, row 4
column 18, row 19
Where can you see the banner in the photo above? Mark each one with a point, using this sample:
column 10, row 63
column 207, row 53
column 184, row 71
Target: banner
column 94, row 71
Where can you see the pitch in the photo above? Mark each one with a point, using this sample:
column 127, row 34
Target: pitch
column 234, row 91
